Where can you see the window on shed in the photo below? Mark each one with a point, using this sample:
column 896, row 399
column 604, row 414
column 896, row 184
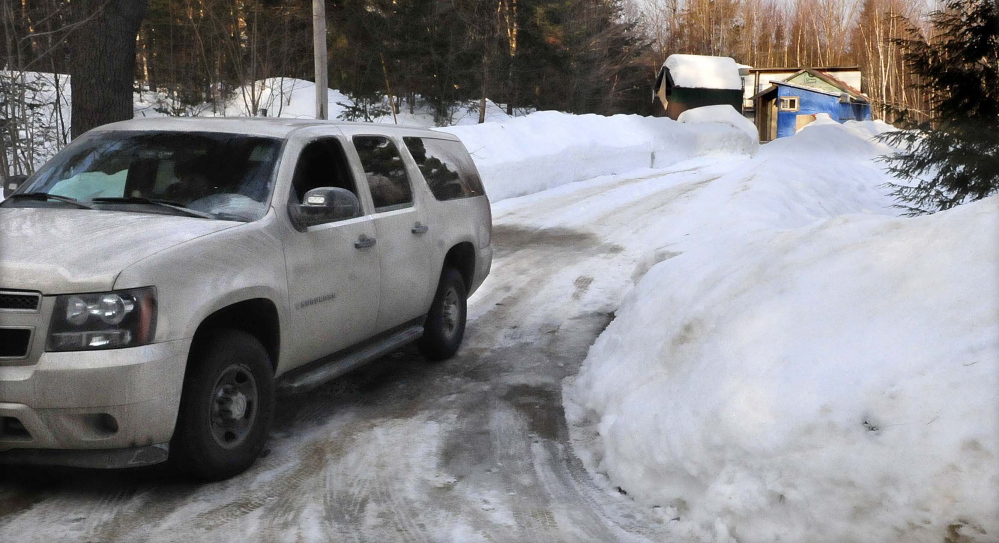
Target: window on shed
column 446, row 166
column 385, row 172
column 789, row 103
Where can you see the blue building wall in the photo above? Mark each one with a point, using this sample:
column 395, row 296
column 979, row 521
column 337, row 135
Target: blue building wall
column 810, row 103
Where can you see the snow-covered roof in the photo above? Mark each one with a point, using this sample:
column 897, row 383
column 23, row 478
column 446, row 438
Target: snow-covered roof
column 703, row 72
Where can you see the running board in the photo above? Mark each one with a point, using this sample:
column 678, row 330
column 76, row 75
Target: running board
column 341, row 363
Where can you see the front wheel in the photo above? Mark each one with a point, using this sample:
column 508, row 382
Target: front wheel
column 445, row 325
column 226, row 407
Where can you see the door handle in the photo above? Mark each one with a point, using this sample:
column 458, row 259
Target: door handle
column 419, row 228
column 364, row 242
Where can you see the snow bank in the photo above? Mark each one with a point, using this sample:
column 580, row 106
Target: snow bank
column 704, row 72
column 723, row 113
column 802, row 367
column 283, row 97
column 547, row 149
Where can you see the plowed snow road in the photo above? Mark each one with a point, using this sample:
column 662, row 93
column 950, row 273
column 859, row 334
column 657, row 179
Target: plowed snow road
column 472, row 449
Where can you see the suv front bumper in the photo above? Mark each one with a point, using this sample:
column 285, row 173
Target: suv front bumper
column 95, row 400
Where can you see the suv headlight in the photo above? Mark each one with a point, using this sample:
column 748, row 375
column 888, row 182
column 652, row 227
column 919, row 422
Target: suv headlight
column 105, row 320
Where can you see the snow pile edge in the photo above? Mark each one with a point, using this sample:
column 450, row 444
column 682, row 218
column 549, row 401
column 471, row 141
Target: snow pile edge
column 547, row 149
column 807, row 368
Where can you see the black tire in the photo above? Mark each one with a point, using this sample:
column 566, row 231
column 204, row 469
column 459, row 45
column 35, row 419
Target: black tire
column 226, row 408
column 445, row 324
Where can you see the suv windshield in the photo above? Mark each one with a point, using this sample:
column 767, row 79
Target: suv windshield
column 222, row 176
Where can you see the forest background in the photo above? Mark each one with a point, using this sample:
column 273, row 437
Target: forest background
column 578, row 56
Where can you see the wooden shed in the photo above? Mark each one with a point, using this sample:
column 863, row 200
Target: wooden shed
column 688, row 81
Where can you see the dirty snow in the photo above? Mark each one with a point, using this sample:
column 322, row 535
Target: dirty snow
column 704, row 72
column 800, row 365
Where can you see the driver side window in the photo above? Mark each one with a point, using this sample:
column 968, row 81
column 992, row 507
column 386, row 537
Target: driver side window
column 321, row 164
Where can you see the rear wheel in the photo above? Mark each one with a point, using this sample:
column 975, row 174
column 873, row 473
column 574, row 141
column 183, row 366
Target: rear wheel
column 226, row 407
column 445, row 324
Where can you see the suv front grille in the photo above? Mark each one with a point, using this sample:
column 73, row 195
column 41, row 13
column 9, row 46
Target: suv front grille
column 19, row 301
column 14, row 342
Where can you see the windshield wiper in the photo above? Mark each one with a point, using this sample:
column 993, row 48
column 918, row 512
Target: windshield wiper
column 44, row 196
column 176, row 206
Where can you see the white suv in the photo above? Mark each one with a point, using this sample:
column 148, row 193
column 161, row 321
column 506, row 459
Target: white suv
column 161, row 279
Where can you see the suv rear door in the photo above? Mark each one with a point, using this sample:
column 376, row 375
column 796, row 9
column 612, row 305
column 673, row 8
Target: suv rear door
column 403, row 232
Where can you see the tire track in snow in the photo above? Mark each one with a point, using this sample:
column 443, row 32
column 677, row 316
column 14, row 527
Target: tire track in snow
column 550, row 501
column 555, row 201
column 102, row 518
column 129, row 520
column 282, row 489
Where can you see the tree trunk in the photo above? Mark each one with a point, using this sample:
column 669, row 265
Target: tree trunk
column 103, row 61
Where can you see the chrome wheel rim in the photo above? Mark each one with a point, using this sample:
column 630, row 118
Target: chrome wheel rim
column 233, row 406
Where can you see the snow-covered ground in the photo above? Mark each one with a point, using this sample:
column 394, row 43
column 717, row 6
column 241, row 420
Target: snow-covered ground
column 800, row 365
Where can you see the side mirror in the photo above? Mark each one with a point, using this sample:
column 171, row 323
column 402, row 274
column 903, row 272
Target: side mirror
column 12, row 183
column 326, row 204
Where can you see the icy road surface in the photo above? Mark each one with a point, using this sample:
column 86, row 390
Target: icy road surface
column 472, row 449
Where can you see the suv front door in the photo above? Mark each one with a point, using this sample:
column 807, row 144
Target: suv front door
column 333, row 268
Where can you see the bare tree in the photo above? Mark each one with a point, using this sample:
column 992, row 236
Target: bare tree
column 32, row 103
column 880, row 24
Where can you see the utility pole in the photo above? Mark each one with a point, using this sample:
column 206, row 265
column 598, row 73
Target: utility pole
column 319, row 44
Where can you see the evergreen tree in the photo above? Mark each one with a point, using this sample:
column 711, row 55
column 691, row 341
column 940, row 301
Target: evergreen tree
column 954, row 158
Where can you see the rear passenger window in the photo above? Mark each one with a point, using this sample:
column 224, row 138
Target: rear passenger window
column 385, row 172
column 446, row 166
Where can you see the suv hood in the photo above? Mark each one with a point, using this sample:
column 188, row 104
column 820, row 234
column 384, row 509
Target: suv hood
column 61, row 251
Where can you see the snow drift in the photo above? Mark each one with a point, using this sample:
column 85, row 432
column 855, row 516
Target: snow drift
column 547, row 149
column 803, row 367
column 724, row 114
